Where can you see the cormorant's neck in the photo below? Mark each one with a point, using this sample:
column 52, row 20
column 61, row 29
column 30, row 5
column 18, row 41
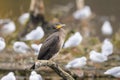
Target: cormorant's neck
column 62, row 31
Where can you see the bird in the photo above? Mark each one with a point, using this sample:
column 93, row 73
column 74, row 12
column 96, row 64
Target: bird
column 8, row 27
column 36, row 48
column 20, row 47
column 23, row 18
column 115, row 71
column 83, row 13
column 107, row 28
column 53, row 43
column 73, row 41
column 107, row 47
column 35, row 34
column 97, row 57
column 77, row 63
column 35, row 76
column 2, row 43
column 9, row 76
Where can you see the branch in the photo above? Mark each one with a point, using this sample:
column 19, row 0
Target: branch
column 55, row 67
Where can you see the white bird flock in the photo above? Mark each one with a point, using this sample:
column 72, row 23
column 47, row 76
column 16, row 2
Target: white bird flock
column 36, row 48
column 2, row 43
column 106, row 28
column 35, row 34
column 97, row 57
column 106, row 50
column 8, row 27
column 20, row 47
column 73, row 41
column 35, row 76
column 115, row 71
column 77, row 63
column 83, row 13
column 23, row 18
column 9, row 76
column 107, row 47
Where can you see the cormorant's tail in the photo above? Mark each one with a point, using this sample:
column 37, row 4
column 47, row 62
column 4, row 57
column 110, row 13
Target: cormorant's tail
column 33, row 66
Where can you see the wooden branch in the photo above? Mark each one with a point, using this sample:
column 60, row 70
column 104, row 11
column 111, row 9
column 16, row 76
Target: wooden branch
column 55, row 67
column 37, row 6
column 36, row 17
column 79, row 4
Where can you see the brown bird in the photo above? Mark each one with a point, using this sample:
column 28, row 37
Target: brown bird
column 52, row 45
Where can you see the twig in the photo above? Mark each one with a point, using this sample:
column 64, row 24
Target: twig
column 55, row 67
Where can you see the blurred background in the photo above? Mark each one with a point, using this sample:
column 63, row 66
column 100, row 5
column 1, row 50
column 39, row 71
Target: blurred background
column 63, row 10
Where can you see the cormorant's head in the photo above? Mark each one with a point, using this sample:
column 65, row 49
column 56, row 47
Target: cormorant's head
column 58, row 26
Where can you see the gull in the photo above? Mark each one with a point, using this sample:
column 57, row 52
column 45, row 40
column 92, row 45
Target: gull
column 97, row 57
column 35, row 76
column 73, row 41
column 23, row 18
column 115, row 71
column 2, row 43
column 83, row 13
column 107, row 48
column 21, row 47
column 35, row 34
column 106, row 28
column 36, row 48
column 8, row 26
column 77, row 63
column 9, row 76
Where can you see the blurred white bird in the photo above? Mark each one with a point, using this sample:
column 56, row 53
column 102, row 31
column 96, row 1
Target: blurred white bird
column 23, row 18
column 2, row 43
column 9, row 76
column 74, row 40
column 35, row 34
column 77, row 63
column 35, row 76
column 106, row 28
column 21, row 47
column 83, row 13
column 97, row 57
column 107, row 47
column 115, row 71
column 36, row 48
column 8, row 27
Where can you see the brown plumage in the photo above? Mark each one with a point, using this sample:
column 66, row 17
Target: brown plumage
column 52, row 44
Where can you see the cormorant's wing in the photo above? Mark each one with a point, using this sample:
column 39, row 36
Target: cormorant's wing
column 50, row 47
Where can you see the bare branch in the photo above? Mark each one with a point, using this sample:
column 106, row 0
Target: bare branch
column 55, row 67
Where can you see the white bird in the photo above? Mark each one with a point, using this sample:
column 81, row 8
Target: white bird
column 2, row 43
column 106, row 28
column 35, row 76
column 97, row 57
column 74, row 40
column 35, row 34
column 21, row 47
column 8, row 27
column 23, row 18
column 36, row 48
column 9, row 76
column 115, row 71
column 77, row 63
column 83, row 13
column 107, row 47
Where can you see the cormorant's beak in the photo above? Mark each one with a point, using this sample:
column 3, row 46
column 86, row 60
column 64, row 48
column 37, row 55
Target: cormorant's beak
column 60, row 26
